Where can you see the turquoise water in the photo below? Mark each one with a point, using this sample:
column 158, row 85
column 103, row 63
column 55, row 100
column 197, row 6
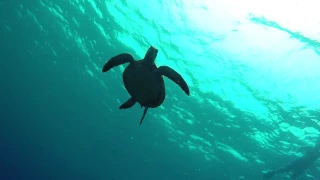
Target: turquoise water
column 252, row 68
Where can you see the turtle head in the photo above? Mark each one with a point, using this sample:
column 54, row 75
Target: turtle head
column 151, row 55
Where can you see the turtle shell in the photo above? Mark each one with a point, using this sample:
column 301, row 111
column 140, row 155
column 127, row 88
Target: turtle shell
column 143, row 85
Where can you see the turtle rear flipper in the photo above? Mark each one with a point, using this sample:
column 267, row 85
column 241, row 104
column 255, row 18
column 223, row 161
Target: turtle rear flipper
column 118, row 60
column 128, row 104
column 174, row 76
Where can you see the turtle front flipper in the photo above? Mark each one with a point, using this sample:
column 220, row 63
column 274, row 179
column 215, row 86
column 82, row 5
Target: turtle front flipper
column 118, row 60
column 128, row 104
column 144, row 114
column 174, row 76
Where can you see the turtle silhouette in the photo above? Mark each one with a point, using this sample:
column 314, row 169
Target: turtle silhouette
column 144, row 80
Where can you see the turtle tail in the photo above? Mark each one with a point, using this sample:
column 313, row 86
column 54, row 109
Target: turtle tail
column 144, row 114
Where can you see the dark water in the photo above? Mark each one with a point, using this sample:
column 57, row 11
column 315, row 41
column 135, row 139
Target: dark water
column 253, row 82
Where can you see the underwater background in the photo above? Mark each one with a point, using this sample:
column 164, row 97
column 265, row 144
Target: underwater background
column 252, row 68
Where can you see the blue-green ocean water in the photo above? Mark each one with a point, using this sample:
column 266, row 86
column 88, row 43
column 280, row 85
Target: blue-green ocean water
column 252, row 68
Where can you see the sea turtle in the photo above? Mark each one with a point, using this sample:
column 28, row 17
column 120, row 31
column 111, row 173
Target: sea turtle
column 143, row 79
